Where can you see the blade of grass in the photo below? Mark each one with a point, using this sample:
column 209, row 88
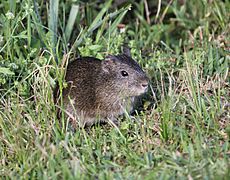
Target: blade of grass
column 38, row 25
column 122, row 13
column 29, row 27
column 70, row 24
column 98, row 19
column 12, row 6
column 88, row 31
column 53, row 23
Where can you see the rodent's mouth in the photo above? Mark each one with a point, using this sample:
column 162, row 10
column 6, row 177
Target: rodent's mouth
column 145, row 90
column 141, row 90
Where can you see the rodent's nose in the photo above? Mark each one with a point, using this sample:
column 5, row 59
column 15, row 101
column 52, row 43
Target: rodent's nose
column 144, row 84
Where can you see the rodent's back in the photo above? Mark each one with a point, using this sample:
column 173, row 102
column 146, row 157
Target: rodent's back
column 83, row 68
column 81, row 76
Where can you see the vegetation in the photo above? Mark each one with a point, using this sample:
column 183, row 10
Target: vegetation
column 181, row 131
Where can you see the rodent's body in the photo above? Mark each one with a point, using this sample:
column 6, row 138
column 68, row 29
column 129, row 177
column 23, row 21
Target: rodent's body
column 102, row 89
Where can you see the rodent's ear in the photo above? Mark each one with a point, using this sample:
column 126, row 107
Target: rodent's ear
column 126, row 50
column 108, row 63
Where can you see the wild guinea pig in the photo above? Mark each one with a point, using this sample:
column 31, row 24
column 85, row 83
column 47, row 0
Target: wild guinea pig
column 102, row 90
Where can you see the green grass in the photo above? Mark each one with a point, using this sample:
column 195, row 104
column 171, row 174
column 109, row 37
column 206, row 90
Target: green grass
column 182, row 130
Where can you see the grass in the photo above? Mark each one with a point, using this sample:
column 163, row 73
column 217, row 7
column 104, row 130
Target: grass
column 181, row 131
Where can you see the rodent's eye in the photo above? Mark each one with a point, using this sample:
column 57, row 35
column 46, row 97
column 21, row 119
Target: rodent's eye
column 124, row 73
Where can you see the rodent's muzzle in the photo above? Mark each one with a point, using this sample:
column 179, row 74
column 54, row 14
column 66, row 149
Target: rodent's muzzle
column 144, row 85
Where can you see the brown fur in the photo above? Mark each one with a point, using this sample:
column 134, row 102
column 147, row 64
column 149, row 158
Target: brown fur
column 97, row 90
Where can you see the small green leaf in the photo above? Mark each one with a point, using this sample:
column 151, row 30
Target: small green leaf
column 95, row 47
column 4, row 70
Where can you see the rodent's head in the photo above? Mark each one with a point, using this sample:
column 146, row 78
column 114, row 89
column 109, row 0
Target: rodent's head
column 125, row 75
